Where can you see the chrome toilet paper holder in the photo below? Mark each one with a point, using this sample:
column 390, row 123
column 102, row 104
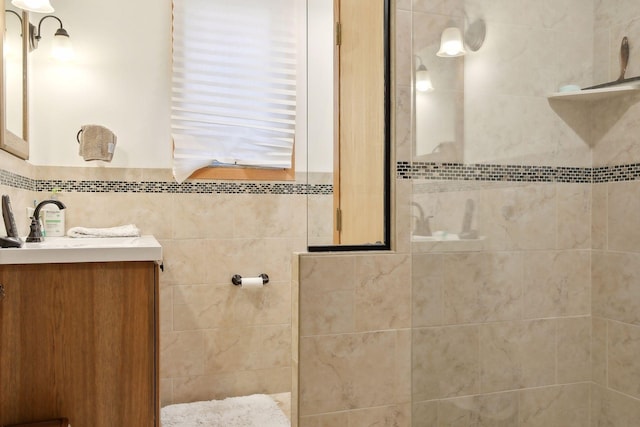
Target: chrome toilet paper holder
column 236, row 279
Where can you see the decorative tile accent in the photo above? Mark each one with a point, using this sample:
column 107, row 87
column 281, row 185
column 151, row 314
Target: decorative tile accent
column 11, row 179
column 404, row 170
column 213, row 187
column 488, row 172
column 616, row 173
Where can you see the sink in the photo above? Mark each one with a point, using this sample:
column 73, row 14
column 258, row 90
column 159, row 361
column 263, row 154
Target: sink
column 417, row 238
column 87, row 242
column 91, row 249
column 437, row 236
column 442, row 241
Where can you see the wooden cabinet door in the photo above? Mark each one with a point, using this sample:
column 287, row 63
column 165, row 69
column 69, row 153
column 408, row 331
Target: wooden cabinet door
column 359, row 168
column 79, row 341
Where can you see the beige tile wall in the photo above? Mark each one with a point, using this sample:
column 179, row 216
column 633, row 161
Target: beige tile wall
column 217, row 340
column 616, row 240
column 319, row 226
column 502, row 328
column 615, row 123
column 565, row 405
column 20, row 198
column 616, row 305
column 515, row 317
column 354, row 339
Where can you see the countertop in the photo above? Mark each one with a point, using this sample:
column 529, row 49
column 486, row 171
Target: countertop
column 55, row 250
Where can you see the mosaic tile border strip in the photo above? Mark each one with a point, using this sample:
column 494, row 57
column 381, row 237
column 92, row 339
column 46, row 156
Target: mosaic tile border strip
column 489, row 172
column 616, row 173
column 213, row 187
column 14, row 180
column 405, row 170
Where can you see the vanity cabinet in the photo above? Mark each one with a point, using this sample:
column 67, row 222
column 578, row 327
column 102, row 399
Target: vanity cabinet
column 80, row 340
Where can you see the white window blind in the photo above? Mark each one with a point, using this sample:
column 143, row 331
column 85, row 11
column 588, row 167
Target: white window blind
column 233, row 84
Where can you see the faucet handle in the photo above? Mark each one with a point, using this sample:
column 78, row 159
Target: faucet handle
column 422, row 227
column 426, row 226
column 35, row 232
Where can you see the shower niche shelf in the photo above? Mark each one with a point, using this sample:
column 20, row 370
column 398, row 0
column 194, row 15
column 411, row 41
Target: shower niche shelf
column 595, row 94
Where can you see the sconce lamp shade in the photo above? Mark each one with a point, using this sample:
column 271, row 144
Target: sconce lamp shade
column 423, row 79
column 451, row 43
column 61, row 48
column 40, row 6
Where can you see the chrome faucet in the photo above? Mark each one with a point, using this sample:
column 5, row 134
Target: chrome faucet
column 422, row 227
column 35, row 232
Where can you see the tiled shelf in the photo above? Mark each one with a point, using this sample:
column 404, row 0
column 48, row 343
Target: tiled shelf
column 595, row 94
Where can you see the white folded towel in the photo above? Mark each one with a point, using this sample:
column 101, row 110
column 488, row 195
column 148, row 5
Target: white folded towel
column 129, row 230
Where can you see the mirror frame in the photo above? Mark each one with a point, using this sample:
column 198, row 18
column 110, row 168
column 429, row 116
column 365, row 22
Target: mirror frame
column 9, row 141
column 386, row 245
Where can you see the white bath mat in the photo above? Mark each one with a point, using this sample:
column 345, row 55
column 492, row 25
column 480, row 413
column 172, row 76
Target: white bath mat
column 257, row 410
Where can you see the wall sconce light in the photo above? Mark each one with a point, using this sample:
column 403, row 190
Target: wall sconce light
column 40, row 6
column 61, row 48
column 423, row 78
column 452, row 43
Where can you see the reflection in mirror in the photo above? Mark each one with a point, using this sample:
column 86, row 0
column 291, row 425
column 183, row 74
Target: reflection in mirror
column 348, row 123
column 438, row 112
column 14, row 76
column 13, row 70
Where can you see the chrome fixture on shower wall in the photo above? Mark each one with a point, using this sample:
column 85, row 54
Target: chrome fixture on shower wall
column 475, row 34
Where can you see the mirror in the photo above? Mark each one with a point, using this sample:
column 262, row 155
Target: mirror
column 348, row 136
column 102, row 79
column 14, row 117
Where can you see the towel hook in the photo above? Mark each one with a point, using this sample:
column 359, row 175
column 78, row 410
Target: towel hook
column 78, row 135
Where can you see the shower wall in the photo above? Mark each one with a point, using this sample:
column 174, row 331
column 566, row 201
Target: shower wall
column 532, row 323
column 615, row 236
column 353, row 355
column 505, row 320
column 501, row 322
column 616, row 304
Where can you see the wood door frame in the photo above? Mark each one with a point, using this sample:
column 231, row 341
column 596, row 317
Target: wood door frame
column 388, row 81
column 336, row 124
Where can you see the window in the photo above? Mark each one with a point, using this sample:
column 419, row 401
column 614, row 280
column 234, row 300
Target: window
column 234, row 84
